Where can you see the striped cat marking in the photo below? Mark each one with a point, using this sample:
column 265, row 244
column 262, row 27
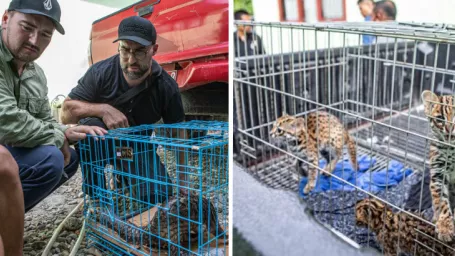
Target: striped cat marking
column 440, row 113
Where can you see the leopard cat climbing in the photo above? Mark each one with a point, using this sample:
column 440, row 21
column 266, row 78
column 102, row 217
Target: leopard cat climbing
column 318, row 131
column 440, row 113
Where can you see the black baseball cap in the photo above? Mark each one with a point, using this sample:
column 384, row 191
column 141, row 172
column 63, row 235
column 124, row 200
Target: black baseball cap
column 137, row 29
column 48, row 8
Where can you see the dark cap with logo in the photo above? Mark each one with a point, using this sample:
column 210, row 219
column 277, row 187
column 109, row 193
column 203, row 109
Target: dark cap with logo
column 137, row 29
column 48, row 8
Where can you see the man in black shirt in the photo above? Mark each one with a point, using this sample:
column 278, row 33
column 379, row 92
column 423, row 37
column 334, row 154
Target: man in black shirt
column 246, row 42
column 129, row 89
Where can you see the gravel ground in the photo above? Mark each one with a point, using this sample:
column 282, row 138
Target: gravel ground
column 44, row 218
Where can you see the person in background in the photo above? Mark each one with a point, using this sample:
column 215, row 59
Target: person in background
column 366, row 9
column 384, row 10
column 246, row 42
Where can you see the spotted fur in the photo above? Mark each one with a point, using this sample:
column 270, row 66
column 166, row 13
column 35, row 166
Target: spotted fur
column 177, row 223
column 397, row 232
column 440, row 113
column 319, row 131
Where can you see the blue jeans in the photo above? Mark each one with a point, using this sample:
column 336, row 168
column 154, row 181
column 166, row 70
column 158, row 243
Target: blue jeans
column 146, row 191
column 41, row 171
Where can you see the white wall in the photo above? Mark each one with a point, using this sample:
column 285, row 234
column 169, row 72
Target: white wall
column 282, row 40
column 65, row 59
column 266, row 10
column 439, row 11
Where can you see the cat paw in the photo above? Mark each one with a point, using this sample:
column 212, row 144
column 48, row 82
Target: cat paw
column 445, row 229
column 309, row 186
column 328, row 171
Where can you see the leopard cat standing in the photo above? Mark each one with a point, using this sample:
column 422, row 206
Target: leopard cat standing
column 318, row 131
column 397, row 232
column 440, row 113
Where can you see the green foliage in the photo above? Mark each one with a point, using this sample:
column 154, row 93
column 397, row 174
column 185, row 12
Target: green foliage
column 243, row 4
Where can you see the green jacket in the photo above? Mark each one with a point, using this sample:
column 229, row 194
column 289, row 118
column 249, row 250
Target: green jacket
column 25, row 113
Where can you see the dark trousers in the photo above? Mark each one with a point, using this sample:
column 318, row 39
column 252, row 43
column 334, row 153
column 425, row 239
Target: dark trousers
column 155, row 185
column 41, row 171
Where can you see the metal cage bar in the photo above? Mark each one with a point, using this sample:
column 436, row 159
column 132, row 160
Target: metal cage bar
column 136, row 202
column 376, row 92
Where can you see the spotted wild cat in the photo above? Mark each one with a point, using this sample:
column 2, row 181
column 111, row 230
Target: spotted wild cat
column 440, row 113
column 398, row 232
column 319, row 131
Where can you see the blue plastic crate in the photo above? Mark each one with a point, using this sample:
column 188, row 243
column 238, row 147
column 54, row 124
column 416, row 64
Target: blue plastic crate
column 135, row 202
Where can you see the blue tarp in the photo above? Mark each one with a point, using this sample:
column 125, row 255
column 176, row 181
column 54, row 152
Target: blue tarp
column 370, row 181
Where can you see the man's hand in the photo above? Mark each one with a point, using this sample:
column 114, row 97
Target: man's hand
column 66, row 152
column 113, row 118
column 79, row 132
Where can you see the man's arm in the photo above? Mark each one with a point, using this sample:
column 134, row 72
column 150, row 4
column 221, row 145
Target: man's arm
column 19, row 128
column 81, row 105
column 75, row 110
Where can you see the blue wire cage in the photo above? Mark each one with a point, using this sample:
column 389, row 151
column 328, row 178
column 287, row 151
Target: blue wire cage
column 157, row 189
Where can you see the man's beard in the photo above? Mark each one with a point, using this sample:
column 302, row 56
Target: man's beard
column 21, row 56
column 133, row 75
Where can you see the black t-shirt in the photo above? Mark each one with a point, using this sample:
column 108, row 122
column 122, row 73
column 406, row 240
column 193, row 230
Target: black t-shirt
column 104, row 82
column 253, row 45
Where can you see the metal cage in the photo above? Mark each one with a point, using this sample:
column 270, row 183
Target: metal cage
column 375, row 91
column 143, row 199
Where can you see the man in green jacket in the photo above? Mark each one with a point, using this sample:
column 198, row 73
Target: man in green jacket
column 34, row 148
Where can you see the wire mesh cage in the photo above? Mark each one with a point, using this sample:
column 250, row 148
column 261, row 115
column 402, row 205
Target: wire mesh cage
column 349, row 126
column 158, row 189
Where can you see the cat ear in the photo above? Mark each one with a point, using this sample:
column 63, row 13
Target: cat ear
column 429, row 98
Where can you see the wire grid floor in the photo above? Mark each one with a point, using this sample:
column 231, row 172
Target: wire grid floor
column 276, row 173
column 408, row 148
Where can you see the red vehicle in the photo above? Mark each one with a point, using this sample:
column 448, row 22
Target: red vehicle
column 193, row 47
